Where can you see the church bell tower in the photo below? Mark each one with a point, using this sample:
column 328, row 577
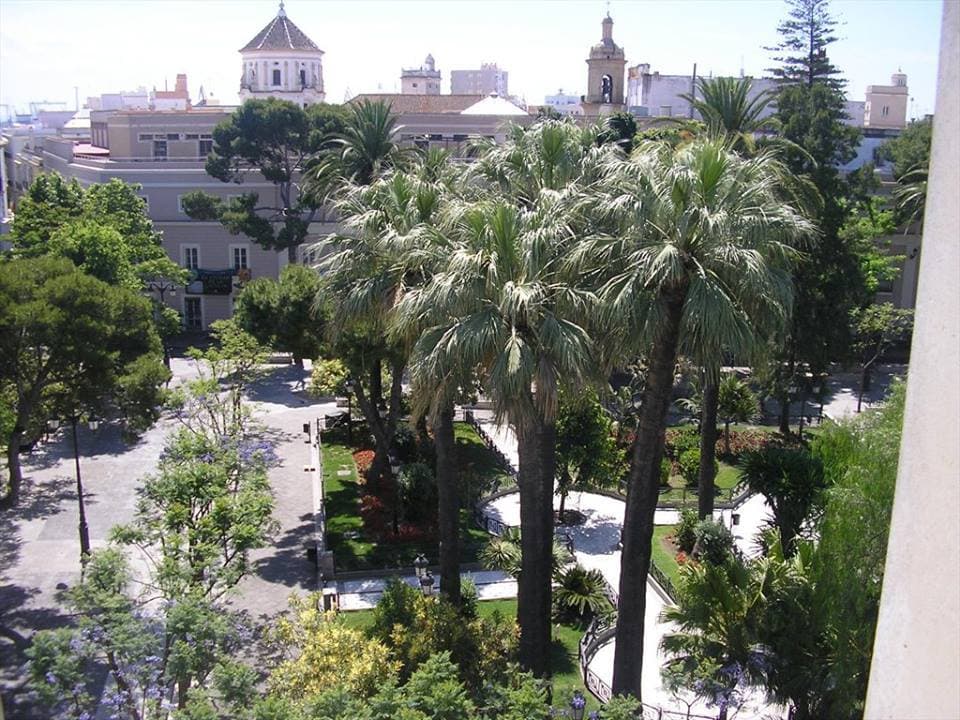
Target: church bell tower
column 605, row 74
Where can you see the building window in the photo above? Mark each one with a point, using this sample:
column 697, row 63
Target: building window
column 159, row 149
column 192, row 136
column 666, row 110
column 303, row 78
column 414, row 84
column 173, row 136
column 191, row 257
column 180, row 209
column 239, row 253
column 192, row 313
column 205, row 147
column 885, row 111
column 276, row 77
column 145, row 137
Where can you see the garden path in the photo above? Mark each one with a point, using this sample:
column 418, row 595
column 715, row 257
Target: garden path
column 595, row 547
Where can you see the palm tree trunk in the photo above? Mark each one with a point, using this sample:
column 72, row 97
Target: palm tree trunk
column 448, row 507
column 536, row 449
column 708, row 448
column 643, row 490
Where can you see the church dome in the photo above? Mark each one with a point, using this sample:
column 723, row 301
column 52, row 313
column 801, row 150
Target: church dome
column 281, row 34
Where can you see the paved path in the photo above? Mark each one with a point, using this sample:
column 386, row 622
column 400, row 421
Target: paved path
column 363, row 594
column 39, row 547
column 595, row 546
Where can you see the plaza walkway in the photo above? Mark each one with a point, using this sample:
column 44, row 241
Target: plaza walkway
column 595, row 547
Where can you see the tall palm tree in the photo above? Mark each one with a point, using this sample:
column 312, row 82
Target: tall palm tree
column 507, row 306
column 698, row 244
column 730, row 113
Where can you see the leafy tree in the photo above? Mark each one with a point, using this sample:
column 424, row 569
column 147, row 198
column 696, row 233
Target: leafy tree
column 587, row 452
column 802, row 50
column 206, row 508
column 667, row 211
column 279, row 140
column 150, row 654
column 736, row 403
column 910, row 150
column 320, row 652
column 876, row 329
column 69, row 338
column 621, row 129
column 792, row 481
column 285, row 314
column 328, row 377
column 860, row 459
column 830, row 281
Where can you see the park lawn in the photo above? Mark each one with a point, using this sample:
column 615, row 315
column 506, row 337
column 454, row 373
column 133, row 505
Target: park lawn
column 728, row 475
column 664, row 552
column 564, row 658
column 345, row 531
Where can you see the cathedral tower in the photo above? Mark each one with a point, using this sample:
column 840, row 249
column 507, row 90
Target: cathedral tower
column 282, row 62
column 605, row 73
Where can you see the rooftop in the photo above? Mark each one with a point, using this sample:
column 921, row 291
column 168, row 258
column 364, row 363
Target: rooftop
column 421, row 103
column 281, row 34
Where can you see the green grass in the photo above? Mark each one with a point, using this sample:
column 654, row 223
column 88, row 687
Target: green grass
column 563, row 656
column 728, row 475
column 663, row 553
column 352, row 550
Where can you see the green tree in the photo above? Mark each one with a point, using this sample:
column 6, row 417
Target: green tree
column 830, row 280
column 910, row 150
column 286, row 315
column 802, row 50
column 876, row 329
column 67, row 336
column 681, row 226
column 792, row 481
column 736, row 402
column 506, row 305
column 586, row 448
column 279, row 140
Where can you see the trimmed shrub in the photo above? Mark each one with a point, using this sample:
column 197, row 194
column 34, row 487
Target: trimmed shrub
column 327, row 378
column 686, row 534
column 681, row 439
column 714, row 542
column 418, row 492
column 690, row 466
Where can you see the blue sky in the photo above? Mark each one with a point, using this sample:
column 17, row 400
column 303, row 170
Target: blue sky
column 48, row 46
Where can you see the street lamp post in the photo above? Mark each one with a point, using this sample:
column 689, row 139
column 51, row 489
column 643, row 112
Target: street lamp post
column 162, row 286
column 426, row 583
column 83, row 528
column 395, row 473
column 420, row 564
column 349, row 385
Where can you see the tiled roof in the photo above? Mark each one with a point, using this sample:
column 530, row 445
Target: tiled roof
column 281, row 34
column 422, row 103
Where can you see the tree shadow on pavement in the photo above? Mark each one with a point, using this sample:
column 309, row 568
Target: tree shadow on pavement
column 287, row 562
column 282, row 385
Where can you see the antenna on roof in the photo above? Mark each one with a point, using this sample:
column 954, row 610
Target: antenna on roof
column 741, row 66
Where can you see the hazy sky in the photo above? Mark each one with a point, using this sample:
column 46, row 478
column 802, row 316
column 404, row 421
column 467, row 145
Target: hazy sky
column 49, row 46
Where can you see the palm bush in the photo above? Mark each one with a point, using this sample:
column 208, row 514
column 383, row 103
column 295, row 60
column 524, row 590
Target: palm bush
column 580, row 595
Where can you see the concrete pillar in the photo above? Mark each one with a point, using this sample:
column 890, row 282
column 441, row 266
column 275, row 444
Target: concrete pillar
column 916, row 655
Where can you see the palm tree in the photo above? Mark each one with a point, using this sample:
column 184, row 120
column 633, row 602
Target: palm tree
column 507, row 306
column 715, row 650
column 911, row 195
column 730, row 112
column 698, row 245
column 735, row 403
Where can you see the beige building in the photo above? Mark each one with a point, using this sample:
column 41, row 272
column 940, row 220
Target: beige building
column 886, row 105
column 424, row 80
column 164, row 153
column 282, row 62
column 488, row 80
column 605, row 75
